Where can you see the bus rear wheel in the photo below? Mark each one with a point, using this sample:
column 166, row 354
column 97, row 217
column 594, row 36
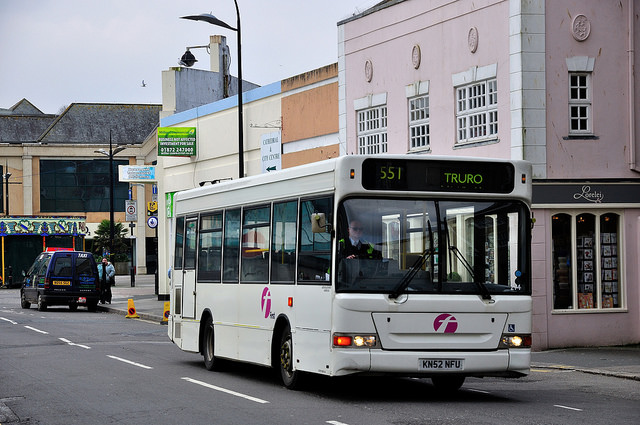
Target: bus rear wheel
column 447, row 383
column 210, row 360
column 290, row 377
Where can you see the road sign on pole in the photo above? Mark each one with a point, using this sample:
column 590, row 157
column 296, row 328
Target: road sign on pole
column 130, row 211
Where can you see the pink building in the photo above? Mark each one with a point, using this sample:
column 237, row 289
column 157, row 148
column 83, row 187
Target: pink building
column 550, row 82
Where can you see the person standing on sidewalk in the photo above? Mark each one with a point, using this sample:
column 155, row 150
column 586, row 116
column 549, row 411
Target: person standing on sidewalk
column 106, row 274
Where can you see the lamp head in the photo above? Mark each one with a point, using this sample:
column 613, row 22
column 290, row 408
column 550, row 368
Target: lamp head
column 207, row 17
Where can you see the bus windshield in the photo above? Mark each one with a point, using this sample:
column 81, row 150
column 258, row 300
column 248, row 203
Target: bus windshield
column 433, row 246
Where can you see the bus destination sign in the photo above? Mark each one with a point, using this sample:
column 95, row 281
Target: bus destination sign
column 437, row 176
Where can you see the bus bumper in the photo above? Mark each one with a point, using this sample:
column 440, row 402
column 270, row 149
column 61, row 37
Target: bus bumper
column 505, row 363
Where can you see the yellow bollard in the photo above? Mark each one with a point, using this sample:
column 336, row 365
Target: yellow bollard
column 165, row 314
column 131, row 310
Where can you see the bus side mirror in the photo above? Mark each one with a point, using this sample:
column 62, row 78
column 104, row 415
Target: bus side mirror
column 319, row 223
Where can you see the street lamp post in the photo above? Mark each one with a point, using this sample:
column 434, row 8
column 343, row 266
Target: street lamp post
column 206, row 17
column 111, row 154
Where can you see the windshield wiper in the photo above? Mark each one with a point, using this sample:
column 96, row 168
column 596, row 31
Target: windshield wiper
column 408, row 277
column 481, row 286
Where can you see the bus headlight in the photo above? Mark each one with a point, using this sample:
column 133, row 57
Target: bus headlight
column 355, row 340
column 515, row 341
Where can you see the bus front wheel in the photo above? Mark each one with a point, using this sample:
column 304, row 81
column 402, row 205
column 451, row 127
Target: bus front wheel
column 210, row 360
column 290, row 377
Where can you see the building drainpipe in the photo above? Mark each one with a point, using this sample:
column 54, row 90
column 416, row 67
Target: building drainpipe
column 633, row 165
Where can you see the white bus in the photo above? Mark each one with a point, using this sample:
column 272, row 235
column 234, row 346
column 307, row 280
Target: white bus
column 262, row 271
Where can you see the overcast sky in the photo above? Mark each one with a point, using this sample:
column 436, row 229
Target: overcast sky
column 56, row 52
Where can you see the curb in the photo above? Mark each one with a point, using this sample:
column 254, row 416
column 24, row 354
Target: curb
column 145, row 316
column 613, row 374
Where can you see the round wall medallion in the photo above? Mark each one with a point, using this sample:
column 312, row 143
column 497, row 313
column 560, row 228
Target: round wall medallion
column 580, row 27
column 368, row 70
column 472, row 39
column 416, row 56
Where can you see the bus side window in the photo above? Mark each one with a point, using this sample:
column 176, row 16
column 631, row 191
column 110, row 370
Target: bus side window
column 231, row 249
column 255, row 244
column 210, row 246
column 314, row 260
column 283, row 247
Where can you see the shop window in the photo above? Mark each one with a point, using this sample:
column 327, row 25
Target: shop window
column 593, row 241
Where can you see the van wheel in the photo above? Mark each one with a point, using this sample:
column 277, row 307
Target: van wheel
column 290, row 377
column 73, row 307
column 448, row 383
column 208, row 344
column 23, row 301
column 42, row 306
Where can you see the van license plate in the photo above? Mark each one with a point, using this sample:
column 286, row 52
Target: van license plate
column 62, row 282
column 440, row 364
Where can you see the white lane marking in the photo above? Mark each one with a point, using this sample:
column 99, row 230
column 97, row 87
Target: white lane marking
column 336, row 423
column 10, row 321
column 224, row 390
column 120, row 359
column 37, row 330
column 73, row 344
column 567, row 407
column 477, row 391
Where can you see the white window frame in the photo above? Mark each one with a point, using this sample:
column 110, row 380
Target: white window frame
column 418, row 113
column 476, row 100
column 477, row 111
column 580, row 66
column 371, row 117
column 580, row 108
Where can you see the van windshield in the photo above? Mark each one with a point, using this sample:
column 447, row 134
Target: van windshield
column 433, row 246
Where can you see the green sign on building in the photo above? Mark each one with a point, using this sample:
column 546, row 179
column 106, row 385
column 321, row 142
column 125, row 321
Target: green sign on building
column 176, row 141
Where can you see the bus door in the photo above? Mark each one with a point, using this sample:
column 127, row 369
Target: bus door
column 189, row 268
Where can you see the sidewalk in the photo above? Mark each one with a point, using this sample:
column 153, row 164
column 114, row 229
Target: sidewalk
column 145, row 300
column 620, row 362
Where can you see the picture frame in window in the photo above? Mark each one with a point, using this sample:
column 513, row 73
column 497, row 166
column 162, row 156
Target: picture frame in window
column 606, row 238
column 607, row 262
column 588, row 242
column 614, row 238
column 588, row 254
column 608, row 275
column 588, row 277
column 587, row 266
column 606, row 250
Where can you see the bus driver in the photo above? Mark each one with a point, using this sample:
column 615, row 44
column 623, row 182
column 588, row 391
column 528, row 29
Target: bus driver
column 356, row 247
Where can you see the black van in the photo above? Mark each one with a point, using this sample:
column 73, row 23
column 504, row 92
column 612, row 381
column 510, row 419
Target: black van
column 62, row 278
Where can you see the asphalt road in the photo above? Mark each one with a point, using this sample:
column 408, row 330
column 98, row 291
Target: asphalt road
column 62, row 367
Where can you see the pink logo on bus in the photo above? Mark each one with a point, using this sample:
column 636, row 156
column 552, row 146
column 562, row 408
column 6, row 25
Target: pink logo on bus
column 445, row 323
column 266, row 302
